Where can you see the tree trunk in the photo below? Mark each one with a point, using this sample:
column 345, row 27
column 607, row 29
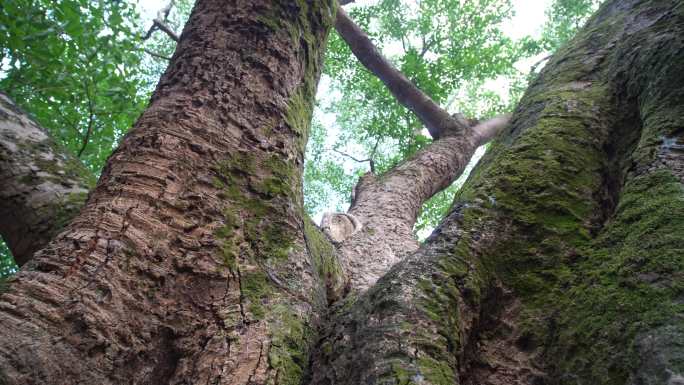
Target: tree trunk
column 387, row 206
column 189, row 262
column 561, row 260
column 43, row 186
column 559, row 263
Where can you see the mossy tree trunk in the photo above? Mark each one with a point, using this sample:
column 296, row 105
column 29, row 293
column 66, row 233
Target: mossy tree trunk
column 560, row 262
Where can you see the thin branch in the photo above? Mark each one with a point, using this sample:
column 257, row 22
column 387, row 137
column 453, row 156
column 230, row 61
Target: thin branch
column 166, row 29
column 154, row 54
column 372, row 155
column 436, row 119
column 351, row 157
column 91, row 120
column 159, row 23
column 427, row 46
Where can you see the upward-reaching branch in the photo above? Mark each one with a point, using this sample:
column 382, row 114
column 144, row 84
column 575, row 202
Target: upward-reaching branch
column 159, row 23
column 388, row 206
column 43, row 186
column 436, row 119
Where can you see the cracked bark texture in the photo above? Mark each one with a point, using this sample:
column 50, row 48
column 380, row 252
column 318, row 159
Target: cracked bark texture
column 43, row 185
column 189, row 262
column 561, row 260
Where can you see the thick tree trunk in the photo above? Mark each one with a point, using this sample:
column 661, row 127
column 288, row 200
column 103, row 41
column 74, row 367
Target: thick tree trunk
column 189, row 262
column 43, row 186
column 559, row 263
column 561, row 259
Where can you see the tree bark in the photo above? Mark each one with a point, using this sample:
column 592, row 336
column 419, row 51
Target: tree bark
column 560, row 261
column 189, row 263
column 388, row 205
column 43, row 185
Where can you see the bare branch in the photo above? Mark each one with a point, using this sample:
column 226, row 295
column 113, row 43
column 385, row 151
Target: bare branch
column 437, row 120
column 351, row 157
column 154, row 54
column 166, row 29
column 159, row 23
column 487, row 130
column 91, row 120
column 535, row 65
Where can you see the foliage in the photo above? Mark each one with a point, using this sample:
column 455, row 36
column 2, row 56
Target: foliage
column 564, row 18
column 448, row 48
column 75, row 66
column 7, row 265
column 452, row 50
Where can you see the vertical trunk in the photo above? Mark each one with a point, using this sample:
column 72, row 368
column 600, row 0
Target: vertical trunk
column 43, row 186
column 560, row 261
column 189, row 264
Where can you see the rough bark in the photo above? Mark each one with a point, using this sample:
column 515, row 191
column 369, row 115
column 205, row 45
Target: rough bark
column 561, row 259
column 43, row 185
column 388, row 205
column 436, row 119
column 189, row 263
column 560, row 262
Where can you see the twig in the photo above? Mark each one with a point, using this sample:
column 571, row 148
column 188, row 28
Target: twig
column 147, row 51
column 350, row 156
column 160, row 23
column 91, row 119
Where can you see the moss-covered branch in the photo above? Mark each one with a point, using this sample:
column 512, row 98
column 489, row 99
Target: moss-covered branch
column 43, row 185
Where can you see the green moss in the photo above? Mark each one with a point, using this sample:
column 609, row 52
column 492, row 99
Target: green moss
column 290, row 342
column 255, row 191
column 626, row 283
column 436, row 372
column 324, row 259
column 401, row 375
column 255, row 289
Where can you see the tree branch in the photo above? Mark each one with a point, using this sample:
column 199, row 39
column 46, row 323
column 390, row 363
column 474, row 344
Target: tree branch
column 154, row 54
column 437, row 120
column 159, row 23
column 350, row 157
column 389, row 204
column 91, row 119
column 42, row 186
